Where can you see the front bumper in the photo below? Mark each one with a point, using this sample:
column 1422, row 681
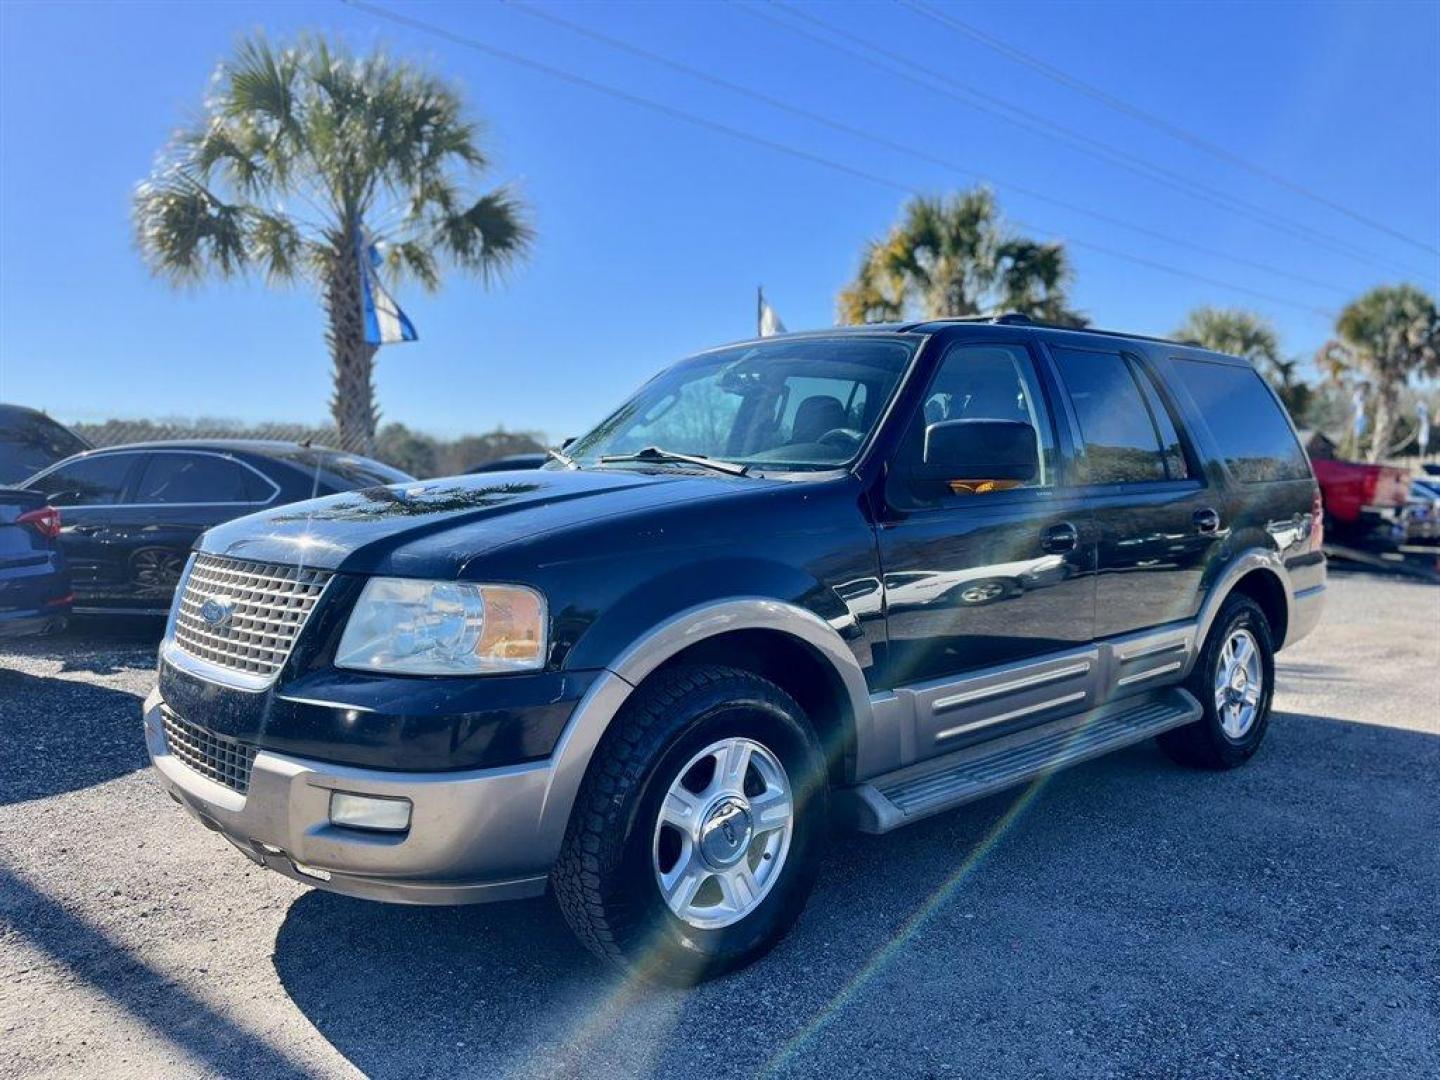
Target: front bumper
column 474, row 836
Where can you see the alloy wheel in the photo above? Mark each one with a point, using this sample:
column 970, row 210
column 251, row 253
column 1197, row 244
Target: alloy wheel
column 723, row 833
column 1239, row 683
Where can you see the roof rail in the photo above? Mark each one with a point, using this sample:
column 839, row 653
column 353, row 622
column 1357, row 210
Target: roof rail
column 1016, row 318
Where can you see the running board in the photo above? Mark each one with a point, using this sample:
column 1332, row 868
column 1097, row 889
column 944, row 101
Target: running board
column 928, row 787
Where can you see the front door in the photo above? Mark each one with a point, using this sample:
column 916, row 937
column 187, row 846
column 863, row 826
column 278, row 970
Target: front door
column 988, row 593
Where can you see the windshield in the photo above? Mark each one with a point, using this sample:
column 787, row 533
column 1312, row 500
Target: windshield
column 786, row 404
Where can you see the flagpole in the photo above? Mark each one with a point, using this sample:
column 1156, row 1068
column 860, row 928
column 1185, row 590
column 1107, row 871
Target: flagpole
column 759, row 310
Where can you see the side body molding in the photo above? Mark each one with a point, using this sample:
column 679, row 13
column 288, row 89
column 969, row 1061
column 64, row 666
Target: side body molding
column 610, row 691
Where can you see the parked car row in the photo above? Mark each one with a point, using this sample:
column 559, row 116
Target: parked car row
column 109, row 531
column 132, row 513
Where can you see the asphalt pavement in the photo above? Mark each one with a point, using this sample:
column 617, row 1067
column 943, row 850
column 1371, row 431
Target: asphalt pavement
column 1125, row 918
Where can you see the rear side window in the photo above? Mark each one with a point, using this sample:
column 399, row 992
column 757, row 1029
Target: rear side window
column 95, row 481
column 198, row 478
column 1123, row 444
column 1253, row 434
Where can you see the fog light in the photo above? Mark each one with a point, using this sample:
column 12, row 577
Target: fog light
column 371, row 812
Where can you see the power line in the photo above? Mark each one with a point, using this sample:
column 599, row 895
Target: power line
column 672, row 112
column 906, row 68
column 1064, row 78
column 898, row 147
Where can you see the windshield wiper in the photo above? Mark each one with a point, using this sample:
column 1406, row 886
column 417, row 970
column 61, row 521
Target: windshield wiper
column 656, row 454
column 562, row 457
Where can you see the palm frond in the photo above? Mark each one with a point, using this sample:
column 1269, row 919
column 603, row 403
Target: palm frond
column 185, row 232
column 275, row 243
column 490, row 236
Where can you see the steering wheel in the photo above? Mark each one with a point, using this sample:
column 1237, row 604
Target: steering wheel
column 842, row 438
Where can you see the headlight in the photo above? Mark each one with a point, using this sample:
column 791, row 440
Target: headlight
column 444, row 628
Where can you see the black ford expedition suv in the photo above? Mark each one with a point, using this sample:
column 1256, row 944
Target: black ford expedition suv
column 862, row 576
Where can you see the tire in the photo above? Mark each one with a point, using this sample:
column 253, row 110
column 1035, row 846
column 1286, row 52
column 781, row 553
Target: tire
column 617, row 849
column 1222, row 738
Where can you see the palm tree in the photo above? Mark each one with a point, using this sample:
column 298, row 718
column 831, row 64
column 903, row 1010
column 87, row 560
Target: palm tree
column 306, row 155
column 1253, row 337
column 955, row 256
column 1386, row 337
column 1233, row 331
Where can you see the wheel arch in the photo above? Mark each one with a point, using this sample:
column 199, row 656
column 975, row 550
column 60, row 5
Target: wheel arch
column 1260, row 575
column 782, row 641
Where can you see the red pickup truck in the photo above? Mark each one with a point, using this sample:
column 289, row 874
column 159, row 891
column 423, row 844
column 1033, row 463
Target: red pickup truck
column 1363, row 503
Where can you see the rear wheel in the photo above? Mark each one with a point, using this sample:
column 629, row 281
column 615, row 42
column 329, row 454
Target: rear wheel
column 697, row 831
column 1234, row 680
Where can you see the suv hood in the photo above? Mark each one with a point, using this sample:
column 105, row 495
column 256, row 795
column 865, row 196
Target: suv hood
column 432, row 528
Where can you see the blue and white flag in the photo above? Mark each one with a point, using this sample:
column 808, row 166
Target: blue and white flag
column 767, row 319
column 1422, row 426
column 385, row 323
column 1358, row 400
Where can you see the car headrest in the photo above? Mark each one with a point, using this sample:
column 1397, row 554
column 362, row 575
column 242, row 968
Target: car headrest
column 815, row 416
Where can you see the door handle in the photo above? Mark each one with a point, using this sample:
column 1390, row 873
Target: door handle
column 85, row 530
column 1207, row 520
column 1060, row 538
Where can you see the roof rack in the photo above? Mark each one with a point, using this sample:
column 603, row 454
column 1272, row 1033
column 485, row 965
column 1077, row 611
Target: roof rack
column 1017, row 318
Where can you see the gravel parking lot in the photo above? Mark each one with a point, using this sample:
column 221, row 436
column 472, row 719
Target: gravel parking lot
column 1126, row 918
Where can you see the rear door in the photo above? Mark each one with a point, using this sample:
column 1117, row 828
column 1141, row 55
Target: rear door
column 1159, row 523
column 90, row 491
column 988, row 594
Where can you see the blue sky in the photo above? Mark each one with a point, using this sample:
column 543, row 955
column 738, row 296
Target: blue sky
column 654, row 233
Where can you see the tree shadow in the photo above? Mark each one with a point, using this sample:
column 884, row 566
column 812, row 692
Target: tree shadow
column 61, row 735
column 1026, row 933
column 113, row 970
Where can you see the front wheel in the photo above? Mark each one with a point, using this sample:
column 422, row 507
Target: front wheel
column 697, row 831
column 1234, row 680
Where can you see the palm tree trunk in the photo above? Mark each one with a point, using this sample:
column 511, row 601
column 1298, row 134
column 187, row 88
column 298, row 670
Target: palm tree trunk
column 353, row 403
column 1387, row 400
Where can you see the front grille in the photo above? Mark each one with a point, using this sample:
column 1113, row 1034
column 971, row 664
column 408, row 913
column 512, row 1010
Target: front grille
column 220, row 759
column 267, row 608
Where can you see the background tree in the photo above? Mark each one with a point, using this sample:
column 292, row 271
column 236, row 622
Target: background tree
column 1252, row 336
column 303, row 156
column 955, row 256
column 1386, row 338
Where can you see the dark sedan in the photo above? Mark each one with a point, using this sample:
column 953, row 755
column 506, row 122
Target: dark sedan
column 34, row 586
column 133, row 512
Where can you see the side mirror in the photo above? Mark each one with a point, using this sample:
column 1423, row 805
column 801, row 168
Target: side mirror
column 976, row 451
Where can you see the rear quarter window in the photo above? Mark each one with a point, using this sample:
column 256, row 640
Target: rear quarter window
column 1249, row 426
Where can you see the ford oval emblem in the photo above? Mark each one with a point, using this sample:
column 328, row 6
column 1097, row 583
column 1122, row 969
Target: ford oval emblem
column 216, row 611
